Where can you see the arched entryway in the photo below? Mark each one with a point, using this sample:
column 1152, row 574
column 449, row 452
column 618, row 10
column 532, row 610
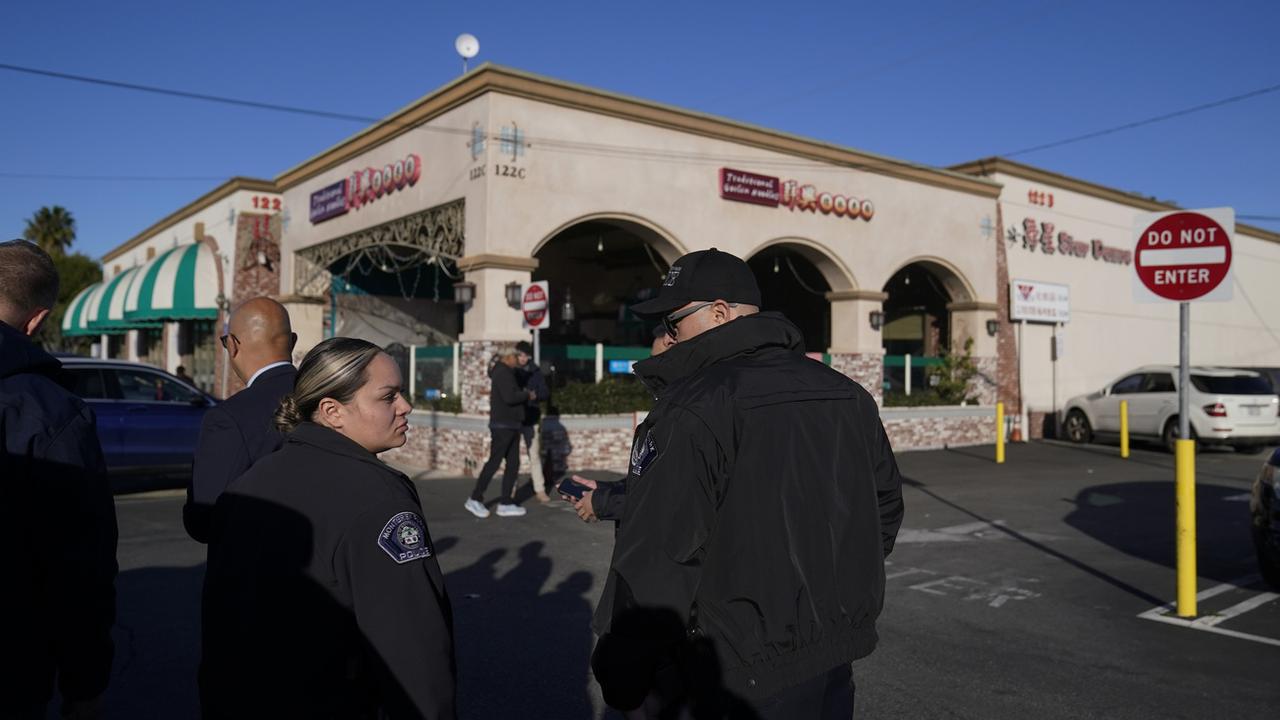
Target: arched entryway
column 917, row 318
column 795, row 278
column 598, row 267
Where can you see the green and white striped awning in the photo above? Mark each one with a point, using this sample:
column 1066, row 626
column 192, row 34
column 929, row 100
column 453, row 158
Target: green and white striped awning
column 99, row 308
column 76, row 320
column 179, row 284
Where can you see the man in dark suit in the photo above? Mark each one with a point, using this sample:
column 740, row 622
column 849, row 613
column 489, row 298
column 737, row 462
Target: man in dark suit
column 240, row 430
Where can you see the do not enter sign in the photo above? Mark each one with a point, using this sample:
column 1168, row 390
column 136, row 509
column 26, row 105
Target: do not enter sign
column 1184, row 255
column 535, row 306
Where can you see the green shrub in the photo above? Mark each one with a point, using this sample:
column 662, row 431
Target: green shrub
column 451, row 404
column 609, row 397
column 950, row 379
column 916, row 399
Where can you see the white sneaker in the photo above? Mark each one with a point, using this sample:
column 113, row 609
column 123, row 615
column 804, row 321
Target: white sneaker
column 505, row 510
column 477, row 508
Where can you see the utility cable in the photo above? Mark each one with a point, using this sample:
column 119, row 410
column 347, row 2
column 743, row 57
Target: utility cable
column 1148, row 121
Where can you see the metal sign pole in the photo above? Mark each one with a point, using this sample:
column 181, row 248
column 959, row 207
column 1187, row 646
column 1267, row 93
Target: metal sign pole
column 1185, row 472
column 537, row 347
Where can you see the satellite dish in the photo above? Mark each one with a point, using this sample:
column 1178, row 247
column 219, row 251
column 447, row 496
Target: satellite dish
column 467, row 46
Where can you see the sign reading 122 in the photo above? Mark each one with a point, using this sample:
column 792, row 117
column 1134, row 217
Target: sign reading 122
column 262, row 202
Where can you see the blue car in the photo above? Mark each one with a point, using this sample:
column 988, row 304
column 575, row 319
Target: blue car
column 148, row 420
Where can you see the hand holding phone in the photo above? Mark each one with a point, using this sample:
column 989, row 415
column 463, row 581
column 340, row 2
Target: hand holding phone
column 572, row 490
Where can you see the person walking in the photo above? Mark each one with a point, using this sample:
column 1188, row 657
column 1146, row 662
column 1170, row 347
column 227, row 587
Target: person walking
column 58, row 518
column 530, row 377
column 240, row 430
column 507, row 401
column 323, row 596
column 762, row 499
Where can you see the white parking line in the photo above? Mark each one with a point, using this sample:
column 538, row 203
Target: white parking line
column 1209, row 623
column 1237, row 609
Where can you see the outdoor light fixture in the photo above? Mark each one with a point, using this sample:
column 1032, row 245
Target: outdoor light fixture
column 567, row 312
column 993, row 326
column 600, row 244
column 464, row 292
column 514, row 293
column 877, row 319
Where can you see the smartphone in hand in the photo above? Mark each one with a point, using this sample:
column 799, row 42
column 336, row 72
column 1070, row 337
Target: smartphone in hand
column 569, row 488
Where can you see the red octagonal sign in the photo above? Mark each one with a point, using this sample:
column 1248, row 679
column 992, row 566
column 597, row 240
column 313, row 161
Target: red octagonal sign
column 1183, row 256
column 534, row 305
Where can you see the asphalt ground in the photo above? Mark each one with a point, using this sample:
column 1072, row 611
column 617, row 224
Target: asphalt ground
column 1015, row 591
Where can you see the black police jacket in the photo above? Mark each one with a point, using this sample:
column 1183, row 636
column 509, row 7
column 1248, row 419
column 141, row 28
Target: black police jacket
column 57, row 535
column 323, row 597
column 761, row 501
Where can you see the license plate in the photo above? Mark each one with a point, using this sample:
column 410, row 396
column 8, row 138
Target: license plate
column 1254, row 410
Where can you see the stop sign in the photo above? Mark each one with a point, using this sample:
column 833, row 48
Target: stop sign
column 1183, row 255
column 535, row 306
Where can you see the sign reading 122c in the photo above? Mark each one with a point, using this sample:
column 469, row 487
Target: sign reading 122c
column 1184, row 255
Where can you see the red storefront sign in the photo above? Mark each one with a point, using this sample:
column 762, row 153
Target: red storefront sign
column 748, row 187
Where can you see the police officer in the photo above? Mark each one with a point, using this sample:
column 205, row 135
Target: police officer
column 323, row 596
column 57, row 516
column 762, row 499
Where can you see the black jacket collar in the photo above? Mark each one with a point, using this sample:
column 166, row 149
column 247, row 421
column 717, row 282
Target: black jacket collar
column 19, row 355
column 323, row 438
column 742, row 336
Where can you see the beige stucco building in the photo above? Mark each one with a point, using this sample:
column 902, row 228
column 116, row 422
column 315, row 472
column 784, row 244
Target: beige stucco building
column 501, row 178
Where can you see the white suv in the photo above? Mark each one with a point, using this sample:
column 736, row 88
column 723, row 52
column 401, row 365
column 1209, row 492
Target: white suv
column 1228, row 407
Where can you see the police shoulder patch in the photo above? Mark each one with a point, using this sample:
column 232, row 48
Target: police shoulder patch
column 404, row 538
column 642, row 453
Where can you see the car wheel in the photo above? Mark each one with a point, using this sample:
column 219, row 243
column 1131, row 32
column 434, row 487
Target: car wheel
column 1268, row 557
column 1170, row 434
column 1076, row 427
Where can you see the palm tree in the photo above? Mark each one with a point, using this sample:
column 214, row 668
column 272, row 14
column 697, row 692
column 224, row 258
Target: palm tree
column 52, row 228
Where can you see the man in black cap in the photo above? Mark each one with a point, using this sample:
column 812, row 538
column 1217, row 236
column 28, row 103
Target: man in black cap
column 762, row 499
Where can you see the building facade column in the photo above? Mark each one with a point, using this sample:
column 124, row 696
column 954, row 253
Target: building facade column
column 969, row 320
column 489, row 324
column 857, row 349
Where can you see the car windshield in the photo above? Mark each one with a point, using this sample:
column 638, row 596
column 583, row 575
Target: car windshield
column 1232, row 384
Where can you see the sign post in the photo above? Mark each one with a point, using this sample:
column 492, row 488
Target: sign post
column 1182, row 256
column 535, row 306
column 1042, row 302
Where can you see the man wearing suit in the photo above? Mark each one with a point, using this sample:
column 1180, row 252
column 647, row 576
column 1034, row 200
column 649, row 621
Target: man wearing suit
column 237, row 432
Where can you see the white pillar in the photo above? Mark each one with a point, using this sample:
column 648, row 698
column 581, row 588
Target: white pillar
column 413, row 373
column 456, row 370
column 906, row 364
column 599, row 362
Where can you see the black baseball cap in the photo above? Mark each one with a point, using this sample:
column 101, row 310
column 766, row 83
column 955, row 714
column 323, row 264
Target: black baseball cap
column 703, row 275
column 524, row 347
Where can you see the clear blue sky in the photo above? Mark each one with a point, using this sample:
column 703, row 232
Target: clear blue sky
column 933, row 82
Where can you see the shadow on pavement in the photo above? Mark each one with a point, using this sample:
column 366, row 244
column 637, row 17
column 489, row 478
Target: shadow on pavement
column 522, row 650
column 157, row 636
column 1137, row 518
column 1079, row 564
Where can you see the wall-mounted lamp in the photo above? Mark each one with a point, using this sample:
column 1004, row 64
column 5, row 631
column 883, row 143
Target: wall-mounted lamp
column 464, row 292
column 567, row 312
column 993, row 327
column 877, row 319
column 514, row 294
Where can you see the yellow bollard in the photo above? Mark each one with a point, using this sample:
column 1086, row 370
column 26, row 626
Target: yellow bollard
column 999, row 433
column 1186, row 491
column 1124, row 428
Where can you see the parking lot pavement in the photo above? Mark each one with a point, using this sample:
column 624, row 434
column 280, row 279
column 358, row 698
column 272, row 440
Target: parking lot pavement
column 1015, row 591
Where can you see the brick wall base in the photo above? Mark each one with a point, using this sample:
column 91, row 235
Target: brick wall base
column 459, row 444
column 473, row 383
column 866, row 369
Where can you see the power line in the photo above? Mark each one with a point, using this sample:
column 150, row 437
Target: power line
column 114, row 178
column 189, row 95
column 1147, row 121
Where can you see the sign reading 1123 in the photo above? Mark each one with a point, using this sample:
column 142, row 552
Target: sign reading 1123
column 1183, row 255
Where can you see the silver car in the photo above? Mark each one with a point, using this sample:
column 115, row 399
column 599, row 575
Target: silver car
column 1228, row 407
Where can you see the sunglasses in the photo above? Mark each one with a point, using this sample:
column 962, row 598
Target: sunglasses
column 223, row 339
column 670, row 322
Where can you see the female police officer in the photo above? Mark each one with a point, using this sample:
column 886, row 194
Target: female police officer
column 323, row 597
